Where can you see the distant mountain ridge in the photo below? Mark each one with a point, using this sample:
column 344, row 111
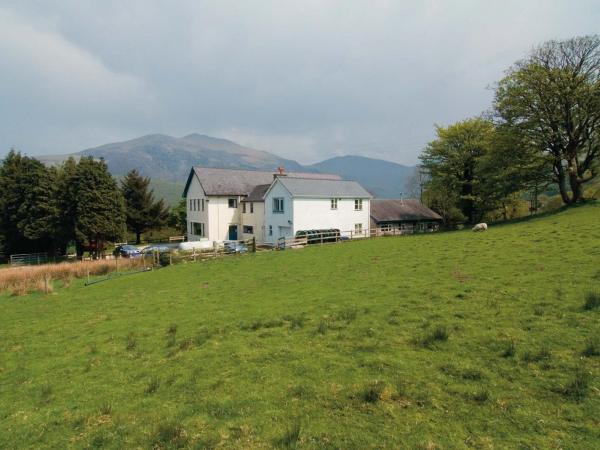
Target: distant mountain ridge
column 166, row 158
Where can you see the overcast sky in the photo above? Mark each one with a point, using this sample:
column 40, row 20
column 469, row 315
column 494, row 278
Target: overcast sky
column 304, row 79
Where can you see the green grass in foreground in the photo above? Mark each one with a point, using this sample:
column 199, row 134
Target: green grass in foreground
column 453, row 340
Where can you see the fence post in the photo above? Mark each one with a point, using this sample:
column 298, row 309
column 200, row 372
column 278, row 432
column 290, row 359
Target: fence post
column 215, row 245
column 117, row 263
column 46, row 283
column 253, row 244
column 88, row 275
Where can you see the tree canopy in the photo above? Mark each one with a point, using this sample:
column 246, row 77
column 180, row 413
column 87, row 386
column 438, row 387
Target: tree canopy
column 551, row 100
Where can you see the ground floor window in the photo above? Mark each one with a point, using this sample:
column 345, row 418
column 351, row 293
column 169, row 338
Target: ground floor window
column 270, row 230
column 358, row 228
column 197, row 229
column 248, row 229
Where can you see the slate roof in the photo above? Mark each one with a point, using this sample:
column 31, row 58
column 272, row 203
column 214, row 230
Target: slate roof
column 401, row 210
column 239, row 182
column 257, row 193
column 323, row 188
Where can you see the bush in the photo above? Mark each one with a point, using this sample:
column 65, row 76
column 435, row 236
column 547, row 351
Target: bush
column 372, row 392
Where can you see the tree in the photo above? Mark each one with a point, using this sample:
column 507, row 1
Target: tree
column 143, row 212
column 552, row 100
column 178, row 217
column 415, row 183
column 28, row 210
column 92, row 203
column 452, row 162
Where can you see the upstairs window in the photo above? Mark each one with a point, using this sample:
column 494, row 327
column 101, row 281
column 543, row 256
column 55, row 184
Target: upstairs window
column 334, row 203
column 251, row 207
column 202, row 204
column 358, row 204
column 244, row 207
column 232, row 202
column 278, row 205
column 191, row 204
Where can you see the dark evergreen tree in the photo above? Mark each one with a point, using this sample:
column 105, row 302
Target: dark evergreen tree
column 143, row 212
column 94, row 207
column 178, row 217
column 28, row 210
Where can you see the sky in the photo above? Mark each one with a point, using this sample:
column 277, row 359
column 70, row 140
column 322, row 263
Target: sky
column 307, row 80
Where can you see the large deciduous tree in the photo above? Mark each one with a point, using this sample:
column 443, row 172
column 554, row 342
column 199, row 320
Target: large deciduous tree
column 452, row 162
column 552, row 100
column 143, row 212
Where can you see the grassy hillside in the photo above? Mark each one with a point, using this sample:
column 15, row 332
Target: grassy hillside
column 456, row 340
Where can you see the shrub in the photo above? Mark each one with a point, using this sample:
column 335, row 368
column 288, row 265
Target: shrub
column 577, row 388
column 592, row 301
column 592, row 347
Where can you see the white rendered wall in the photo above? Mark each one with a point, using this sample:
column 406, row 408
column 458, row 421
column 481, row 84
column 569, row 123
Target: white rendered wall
column 311, row 214
column 281, row 223
column 255, row 220
column 195, row 192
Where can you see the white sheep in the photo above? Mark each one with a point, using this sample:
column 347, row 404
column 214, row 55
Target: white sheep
column 480, row 227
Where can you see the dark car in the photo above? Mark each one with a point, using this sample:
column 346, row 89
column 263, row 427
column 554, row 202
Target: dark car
column 127, row 251
column 235, row 247
column 319, row 236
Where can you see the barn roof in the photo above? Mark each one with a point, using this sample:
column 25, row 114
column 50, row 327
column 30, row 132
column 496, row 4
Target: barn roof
column 401, row 210
column 238, row 181
column 323, row 188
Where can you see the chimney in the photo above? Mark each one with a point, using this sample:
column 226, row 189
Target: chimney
column 280, row 172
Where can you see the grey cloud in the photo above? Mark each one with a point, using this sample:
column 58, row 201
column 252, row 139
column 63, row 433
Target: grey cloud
column 305, row 79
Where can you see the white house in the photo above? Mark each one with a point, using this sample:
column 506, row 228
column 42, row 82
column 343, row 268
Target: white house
column 301, row 204
column 228, row 204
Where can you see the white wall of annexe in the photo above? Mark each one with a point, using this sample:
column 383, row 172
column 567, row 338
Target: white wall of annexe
column 316, row 213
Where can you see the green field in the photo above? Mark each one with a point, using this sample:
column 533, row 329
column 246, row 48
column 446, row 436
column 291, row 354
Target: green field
column 455, row 340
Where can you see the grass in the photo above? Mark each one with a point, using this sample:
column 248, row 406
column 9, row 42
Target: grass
column 455, row 340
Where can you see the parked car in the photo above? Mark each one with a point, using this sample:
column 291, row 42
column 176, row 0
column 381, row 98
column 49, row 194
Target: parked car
column 160, row 248
column 127, row 251
column 319, row 236
column 235, row 247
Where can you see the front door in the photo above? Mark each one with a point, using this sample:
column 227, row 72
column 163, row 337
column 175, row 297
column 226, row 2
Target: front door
column 233, row 232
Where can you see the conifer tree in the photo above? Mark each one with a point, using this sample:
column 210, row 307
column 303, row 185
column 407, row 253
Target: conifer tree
column 143, row 212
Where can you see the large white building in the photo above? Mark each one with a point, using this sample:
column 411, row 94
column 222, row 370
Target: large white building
column 225, row 204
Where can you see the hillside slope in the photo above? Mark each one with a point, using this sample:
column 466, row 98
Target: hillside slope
column 384, row 179
column 170, row 159
column 453, row 340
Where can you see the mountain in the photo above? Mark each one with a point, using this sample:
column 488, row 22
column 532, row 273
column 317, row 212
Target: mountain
column 169, row 158
column 167, row 161
column 384, row 179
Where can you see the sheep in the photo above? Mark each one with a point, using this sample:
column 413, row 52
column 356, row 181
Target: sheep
column 480, row 227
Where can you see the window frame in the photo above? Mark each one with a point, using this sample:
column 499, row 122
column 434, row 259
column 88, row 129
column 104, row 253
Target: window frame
column 247, row 229
column 233, row 201
column 358, row 204
column 201, row 226
column 278, row 205
column 334, row 203
column 358, row 228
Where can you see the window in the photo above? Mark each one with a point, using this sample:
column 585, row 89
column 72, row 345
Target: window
column 191, row 204
column 202, row 204
column 358, row 228
column 334, row 203
column 248, row 229
column 197, row 229
column 232, row 202
column 196, row 205
column 278, row 205
column 358, row 204
column 251, row 207
column 244, row 207
column 270, row 230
